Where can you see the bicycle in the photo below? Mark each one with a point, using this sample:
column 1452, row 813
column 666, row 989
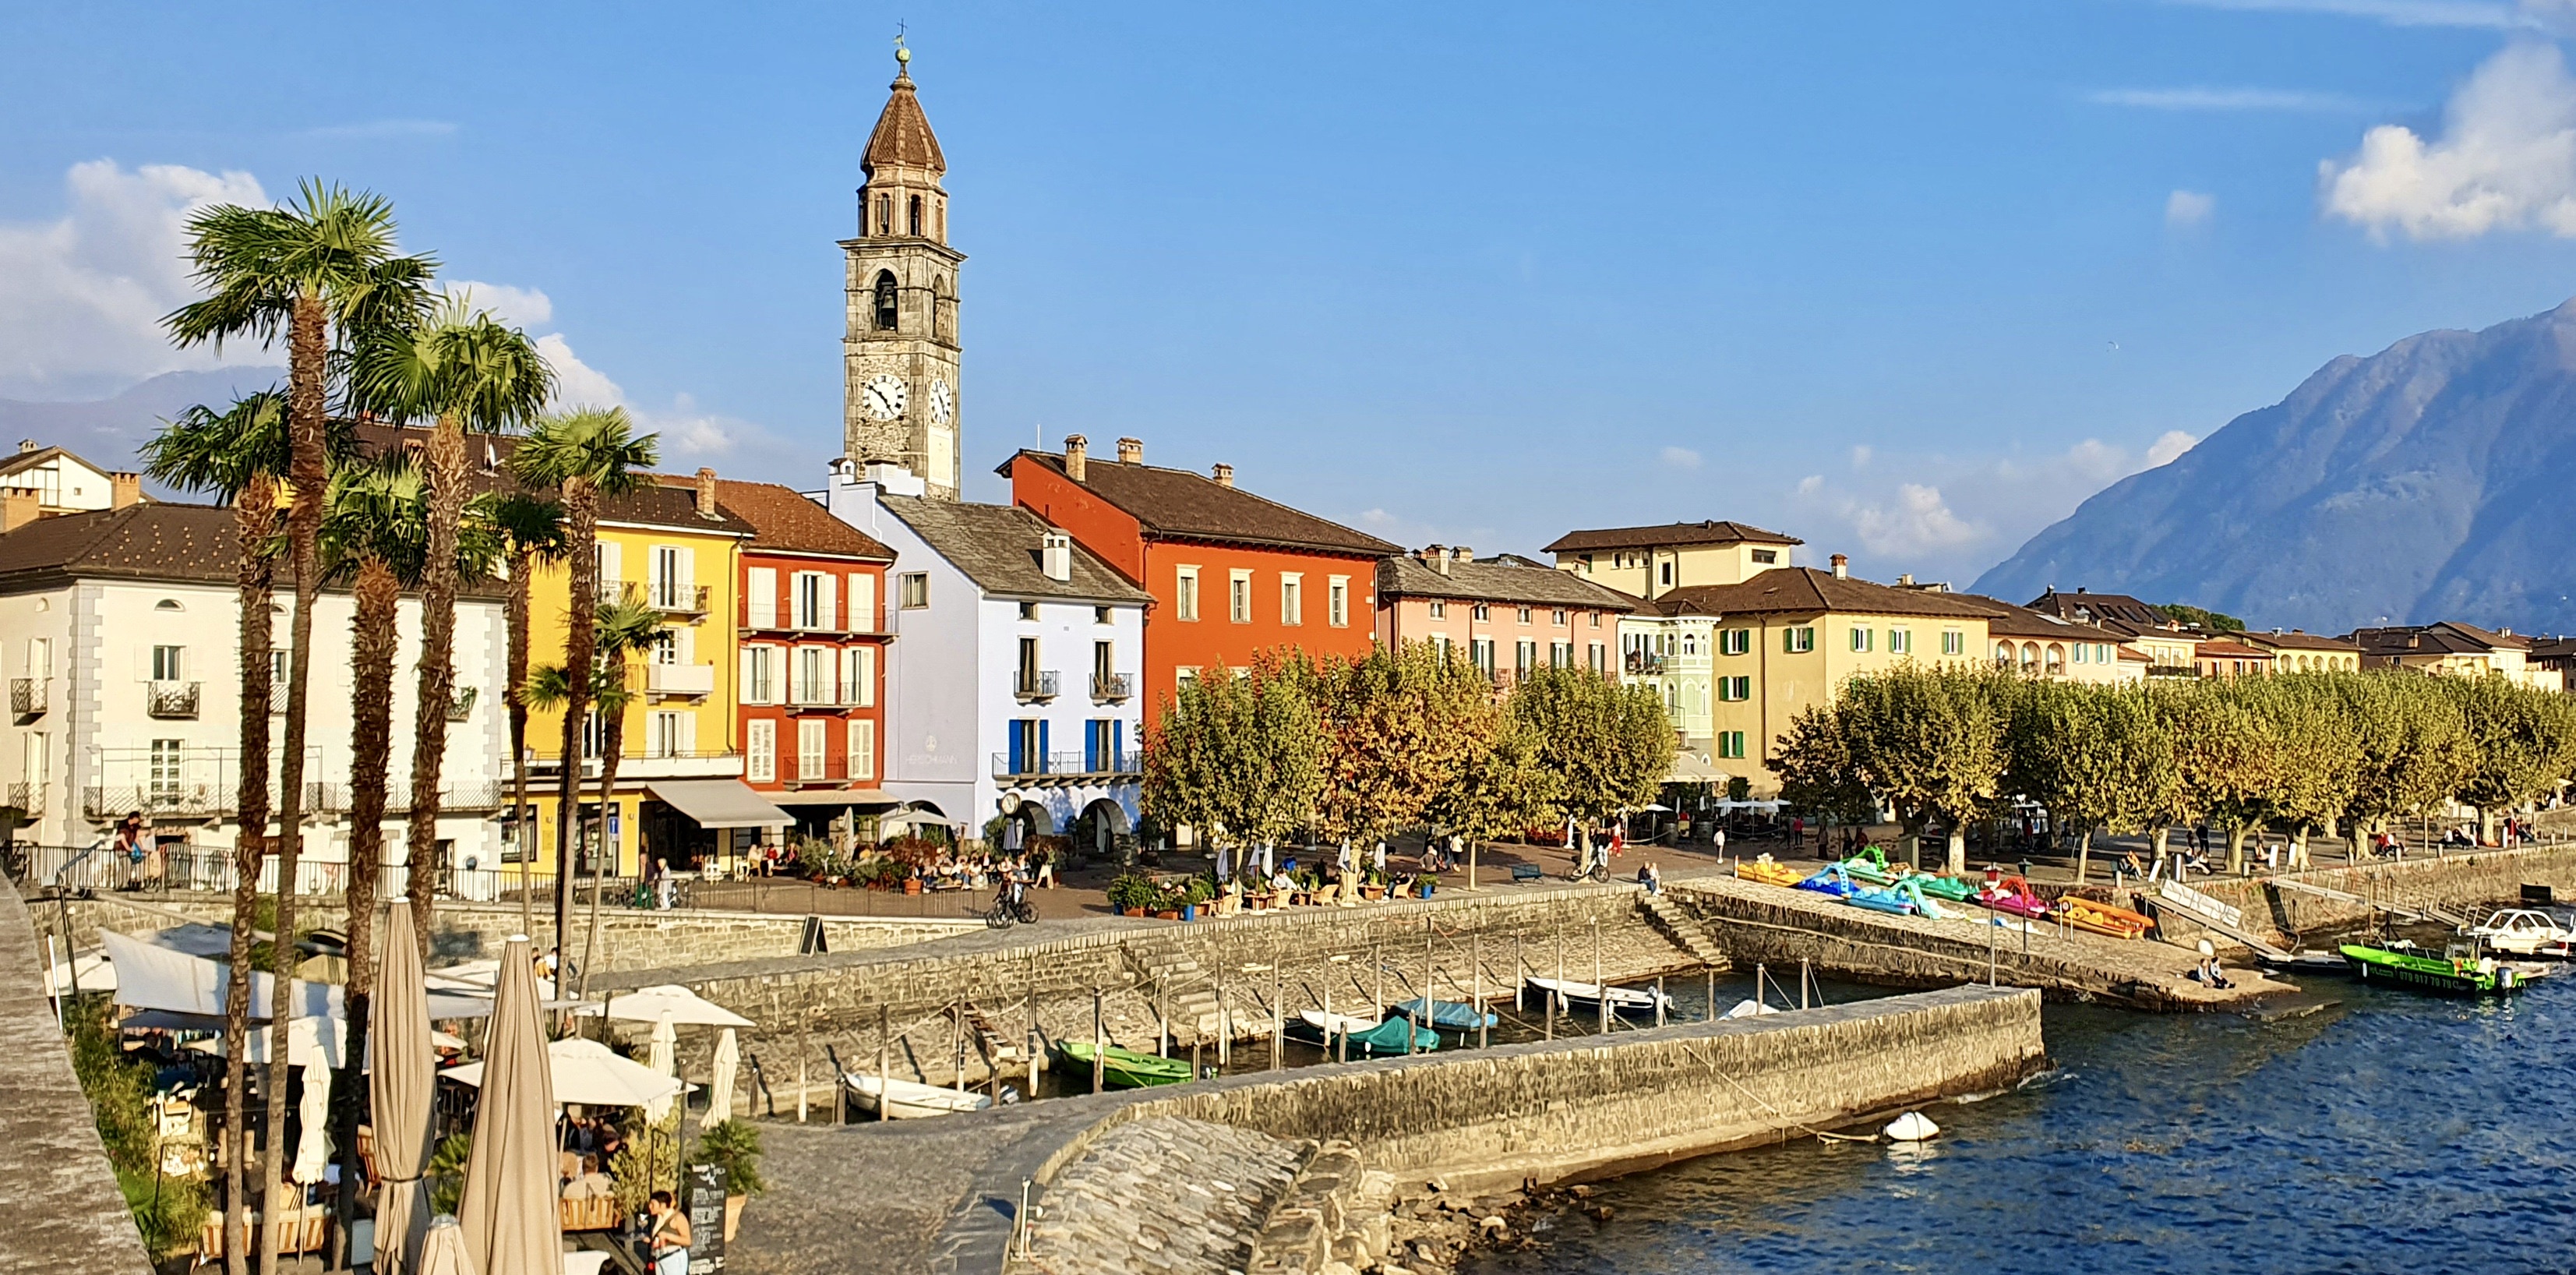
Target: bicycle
column 1007, row 912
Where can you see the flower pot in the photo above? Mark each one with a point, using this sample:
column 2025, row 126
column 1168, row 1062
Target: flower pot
column 1167, row 915
column 733, row 1215
column 912, row 885
column 1427, row 887
column 1372, row 892
column 1117, row 909
column 1189, row 911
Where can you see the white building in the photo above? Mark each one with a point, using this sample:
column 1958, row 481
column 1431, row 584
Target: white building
column 120, row 637
column 1012, row 679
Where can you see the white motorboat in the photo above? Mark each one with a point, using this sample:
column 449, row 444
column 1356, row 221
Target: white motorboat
column 909, row 1100
column 1748, row 1008
column 1331, row 1025
column 1623, row 1000
column 2523, row 932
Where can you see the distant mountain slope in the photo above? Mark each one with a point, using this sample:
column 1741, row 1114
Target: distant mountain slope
column 2433, row 480
column 106, row 431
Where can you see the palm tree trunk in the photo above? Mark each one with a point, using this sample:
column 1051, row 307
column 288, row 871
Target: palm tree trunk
column 612, row 741
column 581, row 611
column 307, row 473
column 254, row 520
column 371, row 636
column 521, row 826
column 445, row 470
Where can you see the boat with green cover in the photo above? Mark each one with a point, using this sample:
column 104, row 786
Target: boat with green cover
column 1123, row 1068
column 2448, row 975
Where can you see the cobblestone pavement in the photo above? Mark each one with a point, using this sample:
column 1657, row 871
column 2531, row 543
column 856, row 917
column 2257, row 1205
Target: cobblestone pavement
column 1163, row 1195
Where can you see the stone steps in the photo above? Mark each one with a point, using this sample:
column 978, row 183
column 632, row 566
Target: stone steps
column 1178, row 981
column 1677, row 925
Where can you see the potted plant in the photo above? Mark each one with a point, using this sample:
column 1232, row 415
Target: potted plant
column 1131, row 893
column 1373, row 885
column 733, row 1146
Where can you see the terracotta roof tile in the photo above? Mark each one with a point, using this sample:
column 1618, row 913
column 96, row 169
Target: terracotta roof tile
column 2225, row 648
column 1182, row 504
column 2006, row 620
column 782, row 518
column 2279, row 641
column 902, row 138
column 150, row 541
column 1708, row 532
column 1410, row 577
column 1789, row 590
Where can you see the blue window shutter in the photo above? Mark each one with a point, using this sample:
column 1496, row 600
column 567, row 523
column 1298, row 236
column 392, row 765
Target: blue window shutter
column 1042, row 743
column 1117, row 741
column 1019, row 738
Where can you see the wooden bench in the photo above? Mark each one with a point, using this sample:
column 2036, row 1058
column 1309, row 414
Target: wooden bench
column 1526, row 872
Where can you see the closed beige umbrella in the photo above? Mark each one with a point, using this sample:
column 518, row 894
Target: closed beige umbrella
column 661, row 1056
column 399, row 1093
column 442, row 1250
column 508, row 1209
column 720, row 1083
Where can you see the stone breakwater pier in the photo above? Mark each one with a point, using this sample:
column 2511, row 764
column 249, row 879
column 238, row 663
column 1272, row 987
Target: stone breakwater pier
column 1302, row 1171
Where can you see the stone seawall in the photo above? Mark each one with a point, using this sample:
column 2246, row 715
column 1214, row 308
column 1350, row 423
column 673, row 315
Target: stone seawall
column 2460, row 882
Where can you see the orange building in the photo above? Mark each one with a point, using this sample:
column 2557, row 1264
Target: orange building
column 1232, row 575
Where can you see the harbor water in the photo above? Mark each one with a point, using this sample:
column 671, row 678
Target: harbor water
column 2351, row 1129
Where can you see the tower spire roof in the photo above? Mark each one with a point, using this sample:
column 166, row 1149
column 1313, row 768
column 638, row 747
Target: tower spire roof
column 903, row 138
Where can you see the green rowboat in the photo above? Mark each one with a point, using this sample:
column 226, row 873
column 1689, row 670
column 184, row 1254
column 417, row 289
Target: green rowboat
column 1122, row 1068
column 2450, row 976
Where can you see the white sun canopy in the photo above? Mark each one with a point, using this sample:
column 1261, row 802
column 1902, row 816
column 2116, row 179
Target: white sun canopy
column 719, row 803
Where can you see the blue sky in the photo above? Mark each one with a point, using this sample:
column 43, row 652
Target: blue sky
column 1905, row 280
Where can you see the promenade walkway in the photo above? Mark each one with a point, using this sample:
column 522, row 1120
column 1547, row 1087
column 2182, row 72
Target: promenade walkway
column 71, row 1218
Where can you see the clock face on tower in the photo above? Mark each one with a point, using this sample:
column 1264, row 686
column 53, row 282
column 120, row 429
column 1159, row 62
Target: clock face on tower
column 884, row 396
column 943, row 402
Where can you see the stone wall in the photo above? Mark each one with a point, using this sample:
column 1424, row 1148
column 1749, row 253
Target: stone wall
column 71, row 1219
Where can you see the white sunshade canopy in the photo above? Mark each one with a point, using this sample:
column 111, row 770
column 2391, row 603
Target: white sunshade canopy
column 719, row 803
column 184, row 991
column 648, row 1005
column 588, row 1073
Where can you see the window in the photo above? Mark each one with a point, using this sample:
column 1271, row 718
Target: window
column 1560, row 655
column 1103, row 740
column 1439, row 609
column 1798, row 641
column 885, row 301
column 1028, row 610
column 1103, row 662
column 1556, row 618
column 1028, row 682
column 885, row 215
column 1596, row 619
column 1483, row 612
column 1337, row 601
column 759, row 674
column 859, row 676
column 1735, row 689
column 1765, row 557
column 164, row 775
column 1185, row 675
column 1028, row 746
column 1480, row 652
column 1860, row 639
column 1730, row 743
column 915, row 590
column 2083, row 652
column 1524, row 657
column 1953, row 642
column 1734, row 641
column 1666, row 572
column 811, row 759
column 912, row 215
column 1185, row 594
column 811, row 601
column 1525, row 615
column 814, row 676
column 670, row 580
column 1440, row 647
column 1239, row 596
column 863, row 749
column 1690, row 644
column 1100, row 615
column 668, row 734
column 1900, row 641
column 40, row 657
column 760, row 597
column 168, row 663
column 1292, row 599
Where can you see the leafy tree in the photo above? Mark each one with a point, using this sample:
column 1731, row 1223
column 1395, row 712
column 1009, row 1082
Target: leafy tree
column 2522, row 743
column 2094, row 756
column 1238, row 754
column 1813, row 760
column 1929, row 743
column 581, row 456
column 2209, row 621
column 532, row 533
column 1402, row 729
column 1603, row 748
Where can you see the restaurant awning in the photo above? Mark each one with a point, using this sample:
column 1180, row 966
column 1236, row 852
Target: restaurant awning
column 835, row 797
column 719, row 803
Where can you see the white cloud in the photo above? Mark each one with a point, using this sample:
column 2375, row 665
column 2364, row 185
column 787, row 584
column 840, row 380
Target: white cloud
column 2505, row 160
column 2189, row 208
column 1918, row 520
column 82, row 296
column 1860, row 456
column 517, row 307
column 2224, row 99
column 2170, row 445
column 2401, row 13
column 1811, row 484
column 1679, row 457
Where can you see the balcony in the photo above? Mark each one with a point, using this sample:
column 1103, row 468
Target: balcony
column 816, row 694
column 696, row 681
column 1112, row 688
column 827, row 772
column 28, row 696
column 1034, row 684
column 277, row 697
column 1074, row 767
column 670, row 597
column 1644, row 664
column 171, row 700
column 681, row 763
column 460, row 705
column 172, row 800
column 775, row 619
column 27, row 799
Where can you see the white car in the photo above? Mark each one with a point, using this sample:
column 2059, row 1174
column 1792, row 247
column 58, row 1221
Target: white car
column 2522, row 932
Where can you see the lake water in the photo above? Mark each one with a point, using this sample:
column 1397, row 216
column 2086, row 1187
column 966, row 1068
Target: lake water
column 2379, row 1130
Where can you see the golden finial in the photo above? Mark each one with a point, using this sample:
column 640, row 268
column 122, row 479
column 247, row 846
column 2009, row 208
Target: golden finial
column 902, row 55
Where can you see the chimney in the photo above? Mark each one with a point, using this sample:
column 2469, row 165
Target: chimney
column 26, row 445
column 1437, row 558
column 125, row 489
column 1842, row 566
column 1055, row 556
column 707, row 493
column 17, row 507
column 1905, row 581
column 1131, row 451
column 1223, row 473
column 1461, row 553
column 1076, row 457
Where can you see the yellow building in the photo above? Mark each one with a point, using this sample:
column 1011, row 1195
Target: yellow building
column 1786, row 638
column 1649, row 562
column 2301, row 652
column 673, row 546
column 2458, row 650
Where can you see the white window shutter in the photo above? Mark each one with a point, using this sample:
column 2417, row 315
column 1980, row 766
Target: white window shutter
column 831, row 597
column 863, row 602
column 749, row 688
column 687, row 643
column 863, row 749
column 612, row 564
column 687, row 559
column 688, row 732
column 865, row 659
column 763, row 585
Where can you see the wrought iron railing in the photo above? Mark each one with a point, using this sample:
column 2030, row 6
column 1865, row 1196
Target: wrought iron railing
column 28, row 695
column 172, row 700
column 1110, row 688
column 1035, row 684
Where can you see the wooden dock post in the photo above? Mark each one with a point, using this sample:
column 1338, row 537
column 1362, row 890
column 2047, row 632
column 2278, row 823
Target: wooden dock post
column 1600, row 990
column 1098, row 1041
column 885, row 1033
column 1476, row 996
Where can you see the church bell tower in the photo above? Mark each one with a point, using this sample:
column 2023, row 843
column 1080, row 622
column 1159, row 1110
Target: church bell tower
column 899, row 360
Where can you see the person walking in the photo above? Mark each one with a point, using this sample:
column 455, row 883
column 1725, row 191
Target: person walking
column 127, row 848
column 669, row 1238
column 1717, row 838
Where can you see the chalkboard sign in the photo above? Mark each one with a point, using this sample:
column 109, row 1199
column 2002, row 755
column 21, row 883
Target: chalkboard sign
column 706, row 1219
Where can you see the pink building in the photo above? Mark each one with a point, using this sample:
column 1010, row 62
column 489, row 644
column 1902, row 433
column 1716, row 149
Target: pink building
column 1507, row 615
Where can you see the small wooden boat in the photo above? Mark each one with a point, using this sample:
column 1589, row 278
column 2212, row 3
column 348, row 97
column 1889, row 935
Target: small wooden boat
column 1123, row 1068
column 1452, row 1016
column 2447, row 975
column 1572, row 996
column 907, row 1100
column 1767, row 872
column 1370, row 1036
column 2014, row 895
column 2102, row 918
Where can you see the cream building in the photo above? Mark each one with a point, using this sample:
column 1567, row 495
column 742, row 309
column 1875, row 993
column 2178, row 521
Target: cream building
column 2172, row 651
column 2298, row 651
column 1648, row 562
column 2456, row 649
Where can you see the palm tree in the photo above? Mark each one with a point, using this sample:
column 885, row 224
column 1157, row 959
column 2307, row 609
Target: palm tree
column 322, row 266
column 583, row 455
column 237, row 456
column 624, row 627
column 532, row 532
column 467, row 372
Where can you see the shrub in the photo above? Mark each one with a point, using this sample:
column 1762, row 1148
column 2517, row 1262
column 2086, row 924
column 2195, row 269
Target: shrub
column 1133, row 891
column 914, row 852
column 168, row 1212
column 447, row 1171
column 735, row 1147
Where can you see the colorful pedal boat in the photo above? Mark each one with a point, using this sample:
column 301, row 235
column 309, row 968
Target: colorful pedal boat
column 2102, row 918
column 1768, row 872
column 2013, row 895
column 1833, row 880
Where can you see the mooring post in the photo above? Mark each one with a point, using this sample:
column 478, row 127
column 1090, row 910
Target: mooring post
column 1600, row 989
column 1802, row 982
column 1278, row 1009
column 1377, row 961
column 1224, row 1028
column 1712, row 994
column 957, row 1047
column 1033, row 1037
column 1328, row 1010
column 1659, row 1000
column 1990, row 950
column 1557, row 992
column 1427, row 1014
column 1162, row 1019
column 885, row 1077
column 1098, row 1042
column 1476, row 959
column 1760, row 997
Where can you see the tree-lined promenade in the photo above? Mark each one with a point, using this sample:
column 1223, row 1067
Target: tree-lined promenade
column 2291, row 754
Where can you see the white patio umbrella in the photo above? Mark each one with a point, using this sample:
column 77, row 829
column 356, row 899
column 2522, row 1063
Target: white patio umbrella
column 589, row 1073
column 313, row 1116
column 659, row 1057
column 92, row 971
column 508, row 1204
column 399, row 1095
column 720, row 1085
column 665, row 1002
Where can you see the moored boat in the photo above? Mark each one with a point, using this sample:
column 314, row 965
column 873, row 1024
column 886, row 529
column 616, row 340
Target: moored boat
column 909, row 1100
column 2448, row 975
column 1574, row 996
column 2524, row 932
column 2102, row 918
column 1768, row 872
column 1884, row 899
column 1833, row 880
column 1364, row 1035
column 1452, row 1016
column 1123, row 1068
column 2014, row 895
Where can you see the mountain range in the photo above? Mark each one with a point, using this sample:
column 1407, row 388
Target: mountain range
column 107, row 431
column 2433, row 480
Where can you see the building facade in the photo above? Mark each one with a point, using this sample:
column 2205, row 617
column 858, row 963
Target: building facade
column 2297, row 651
column 1013, row 674
column 2455, row 649
column 1504, row 618
column 900, row 392
column 1233, row 577
column 2172, row 651
column 1648, row 562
